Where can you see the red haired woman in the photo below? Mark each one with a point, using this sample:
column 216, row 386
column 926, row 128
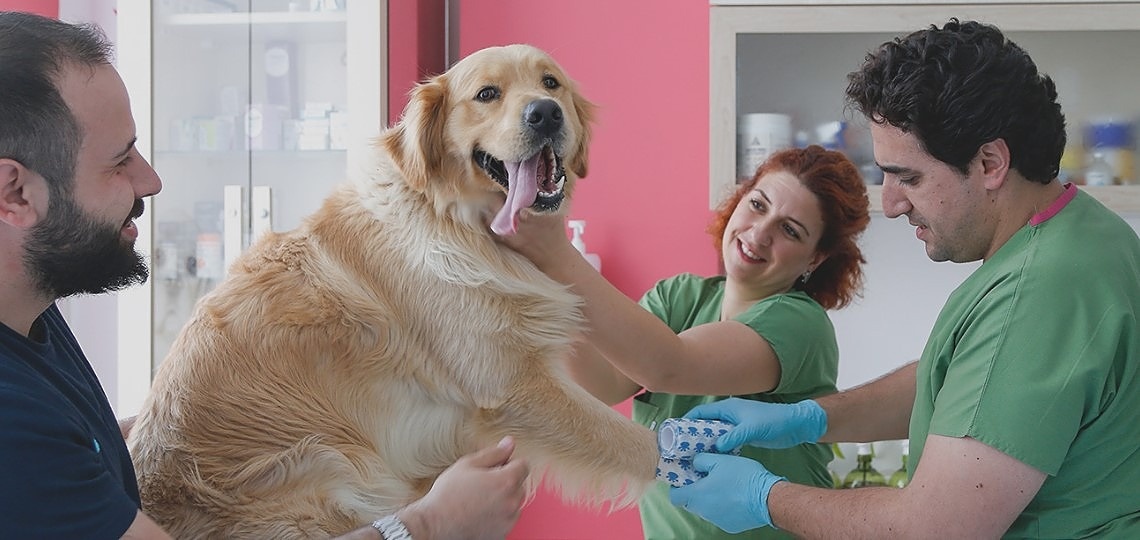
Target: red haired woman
column 760, row 331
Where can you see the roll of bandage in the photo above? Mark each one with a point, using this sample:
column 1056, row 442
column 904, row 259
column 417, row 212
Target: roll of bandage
column 677, row 472
column 679, row 440
column 683, row 438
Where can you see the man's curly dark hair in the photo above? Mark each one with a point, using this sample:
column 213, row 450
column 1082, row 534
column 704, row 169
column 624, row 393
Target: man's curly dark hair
column 958, row 87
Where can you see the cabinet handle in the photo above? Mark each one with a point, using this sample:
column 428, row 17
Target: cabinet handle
column 261, row 208
column 233, row 208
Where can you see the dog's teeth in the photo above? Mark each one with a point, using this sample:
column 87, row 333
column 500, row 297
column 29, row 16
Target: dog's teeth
column 554, row 192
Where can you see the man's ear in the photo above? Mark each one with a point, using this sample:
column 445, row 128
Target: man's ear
column 993, row 158
column 23, row 195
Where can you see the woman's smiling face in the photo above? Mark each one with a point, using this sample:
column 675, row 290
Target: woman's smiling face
column 771, row 238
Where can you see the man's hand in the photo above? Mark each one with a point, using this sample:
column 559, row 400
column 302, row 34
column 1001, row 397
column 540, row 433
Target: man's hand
column 766, row 425
column 479, row 497
column 734, row 495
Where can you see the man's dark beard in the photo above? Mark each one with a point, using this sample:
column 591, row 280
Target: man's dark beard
column 72, row 253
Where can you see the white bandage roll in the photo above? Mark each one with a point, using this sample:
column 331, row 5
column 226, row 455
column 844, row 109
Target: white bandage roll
column 677, row 472
column 679, row 440
column 683, row 438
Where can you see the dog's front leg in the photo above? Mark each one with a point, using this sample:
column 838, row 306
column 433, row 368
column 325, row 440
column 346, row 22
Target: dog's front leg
column 588, row 451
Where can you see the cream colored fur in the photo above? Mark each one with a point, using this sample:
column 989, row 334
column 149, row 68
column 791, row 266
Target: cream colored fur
column 340, row 367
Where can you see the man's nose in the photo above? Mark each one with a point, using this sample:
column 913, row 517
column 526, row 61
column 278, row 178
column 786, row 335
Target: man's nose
column 894, row 202
column 146, row 180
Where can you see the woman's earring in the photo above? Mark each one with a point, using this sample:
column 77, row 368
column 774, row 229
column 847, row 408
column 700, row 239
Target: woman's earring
column 805, row 276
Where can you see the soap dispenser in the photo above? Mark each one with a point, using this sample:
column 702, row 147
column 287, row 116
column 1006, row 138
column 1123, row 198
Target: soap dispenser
column 579, row 228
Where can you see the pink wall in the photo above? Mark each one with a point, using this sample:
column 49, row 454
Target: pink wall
column 415, row 48
column 47, row 8
column 645, row 63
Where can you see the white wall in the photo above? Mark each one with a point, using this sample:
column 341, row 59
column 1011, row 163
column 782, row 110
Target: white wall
column 92, row 318
column 903, row 293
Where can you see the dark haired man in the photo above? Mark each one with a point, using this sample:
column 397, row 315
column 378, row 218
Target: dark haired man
column 1021, row 410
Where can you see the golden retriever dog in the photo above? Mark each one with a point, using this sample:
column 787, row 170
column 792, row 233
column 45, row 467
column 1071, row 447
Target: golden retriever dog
column 340, row 367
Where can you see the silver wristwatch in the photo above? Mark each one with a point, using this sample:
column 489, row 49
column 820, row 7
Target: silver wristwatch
column 391, row 528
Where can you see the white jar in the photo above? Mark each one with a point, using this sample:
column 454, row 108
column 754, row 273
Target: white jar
column 758, row 136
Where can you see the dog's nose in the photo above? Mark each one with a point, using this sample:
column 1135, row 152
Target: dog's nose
column 544, row 116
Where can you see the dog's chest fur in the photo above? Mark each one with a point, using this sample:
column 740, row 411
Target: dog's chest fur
column 441, row 290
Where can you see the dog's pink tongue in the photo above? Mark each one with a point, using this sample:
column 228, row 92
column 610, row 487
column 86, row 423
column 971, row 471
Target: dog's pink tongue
column 522, row 189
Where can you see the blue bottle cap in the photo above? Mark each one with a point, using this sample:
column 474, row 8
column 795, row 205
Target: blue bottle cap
column 1109, row 134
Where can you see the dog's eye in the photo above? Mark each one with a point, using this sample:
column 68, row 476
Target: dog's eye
column 550, row 82
column 487, row 93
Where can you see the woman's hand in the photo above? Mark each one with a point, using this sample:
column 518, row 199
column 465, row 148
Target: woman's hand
column 541, row 237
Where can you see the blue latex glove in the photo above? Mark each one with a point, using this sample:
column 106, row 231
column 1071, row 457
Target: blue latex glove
column 766, row 425
column 734, row 495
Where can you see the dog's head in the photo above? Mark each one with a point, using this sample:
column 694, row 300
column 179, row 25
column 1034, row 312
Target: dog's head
column 502, row 121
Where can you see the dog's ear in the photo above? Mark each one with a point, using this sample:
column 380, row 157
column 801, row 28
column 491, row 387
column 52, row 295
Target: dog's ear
column 416, row 143
column 585, row 112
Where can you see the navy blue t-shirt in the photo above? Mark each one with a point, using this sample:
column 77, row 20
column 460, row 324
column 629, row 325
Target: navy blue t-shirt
column 64, row 467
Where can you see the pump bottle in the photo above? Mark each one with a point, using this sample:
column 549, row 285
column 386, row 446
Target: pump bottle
column 863, row 475
column 578, row 227
column 899, row 478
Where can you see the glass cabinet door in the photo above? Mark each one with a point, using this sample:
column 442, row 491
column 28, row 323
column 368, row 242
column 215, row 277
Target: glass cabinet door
column 250, row 128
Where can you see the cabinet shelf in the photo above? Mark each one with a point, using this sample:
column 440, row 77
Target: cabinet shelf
column 247, row 154
column 257, row 18
column 264, row 25
column 1123, row 199
column 769, row 56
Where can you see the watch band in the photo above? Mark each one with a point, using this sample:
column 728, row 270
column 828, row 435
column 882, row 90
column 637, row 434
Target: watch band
column 391, row 528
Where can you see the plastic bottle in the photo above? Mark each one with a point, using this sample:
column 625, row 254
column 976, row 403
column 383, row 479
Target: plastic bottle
column 863, row 475
column 1114, row 141
column 899, row 479
column 579, row 228
column 1099, row 172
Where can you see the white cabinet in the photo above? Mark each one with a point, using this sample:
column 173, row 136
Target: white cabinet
column 772, row 57
column 251, row 111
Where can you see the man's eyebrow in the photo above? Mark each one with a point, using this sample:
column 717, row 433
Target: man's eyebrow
column 894, row 169
column 126, row 150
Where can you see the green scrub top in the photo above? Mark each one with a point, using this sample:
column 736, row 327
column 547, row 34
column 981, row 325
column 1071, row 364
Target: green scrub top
column 801, row 334
column 1037, row 354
